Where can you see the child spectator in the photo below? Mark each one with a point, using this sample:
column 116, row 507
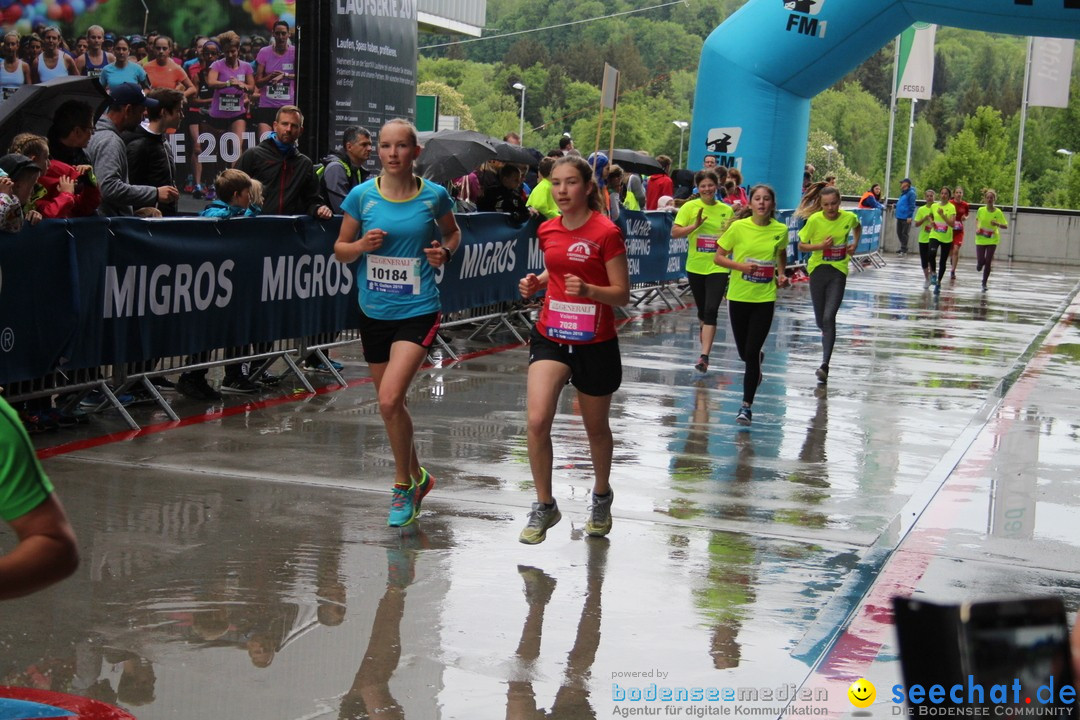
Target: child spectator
column 23, row 174
column 68, row 191
column 508, row 197
column 233, row 190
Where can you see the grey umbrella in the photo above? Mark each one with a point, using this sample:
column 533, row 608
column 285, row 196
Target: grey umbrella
column 515, row 154
column 31, row 107
column 636, row 162
column 449, row 154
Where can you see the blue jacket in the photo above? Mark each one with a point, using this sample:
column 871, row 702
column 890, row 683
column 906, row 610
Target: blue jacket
column 221, row 209
column 905, row 205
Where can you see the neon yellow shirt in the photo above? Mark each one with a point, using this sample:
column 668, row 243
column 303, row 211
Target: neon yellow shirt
column 631, row 203
column 541, row 199
column 941, row 229
column 759, row 245
column 699, row 257
column 818, row 227
column 924, row 229
column 23, row 484
column 987, row 233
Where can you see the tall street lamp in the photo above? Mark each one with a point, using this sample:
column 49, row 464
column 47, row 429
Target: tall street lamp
column 1069, row 154
column 829, row 149
column 521, row 126
column 682, row 125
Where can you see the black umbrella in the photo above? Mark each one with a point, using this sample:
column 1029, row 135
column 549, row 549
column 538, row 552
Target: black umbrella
column 635, row 162
column 31, row 107
column 449, row 154
column 515, row 154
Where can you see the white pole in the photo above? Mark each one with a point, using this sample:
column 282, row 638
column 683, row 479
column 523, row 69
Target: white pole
column 910, row 137
column 892, row 119
column 1020, row 152
column 682, row 130
column 521, row 126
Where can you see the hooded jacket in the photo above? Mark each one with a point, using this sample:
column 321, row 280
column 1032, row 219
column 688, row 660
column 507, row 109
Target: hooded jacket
column 108, row 155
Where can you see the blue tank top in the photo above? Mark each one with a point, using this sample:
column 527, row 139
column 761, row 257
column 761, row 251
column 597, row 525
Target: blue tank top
column 92, row 70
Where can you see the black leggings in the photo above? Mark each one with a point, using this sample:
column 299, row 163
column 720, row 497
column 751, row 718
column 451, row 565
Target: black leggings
column 827, row 285
column 984, row 257
column 924, row 257
column 709, row 291
column 946, row 248
column 750, row 324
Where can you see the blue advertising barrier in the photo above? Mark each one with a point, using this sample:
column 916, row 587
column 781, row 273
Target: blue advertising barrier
column 93, row 292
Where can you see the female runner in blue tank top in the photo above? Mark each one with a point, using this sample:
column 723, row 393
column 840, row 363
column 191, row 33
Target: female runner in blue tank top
column 401, row 227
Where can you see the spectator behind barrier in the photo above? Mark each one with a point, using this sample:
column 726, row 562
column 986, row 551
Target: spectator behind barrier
column 149, row 161
column 344, row 169
column 108, row 155
column 287, row 174
column 72, row 128
column 23, row 174
column 65, row 191
column 233, row 189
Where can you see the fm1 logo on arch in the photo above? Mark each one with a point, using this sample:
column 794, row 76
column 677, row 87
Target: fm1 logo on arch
column 723, row 143
column 801, row 20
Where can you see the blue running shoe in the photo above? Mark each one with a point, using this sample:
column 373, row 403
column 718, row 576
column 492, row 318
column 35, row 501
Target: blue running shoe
column 402, row 506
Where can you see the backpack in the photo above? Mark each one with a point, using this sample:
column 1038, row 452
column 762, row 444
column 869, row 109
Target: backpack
column 353, row 174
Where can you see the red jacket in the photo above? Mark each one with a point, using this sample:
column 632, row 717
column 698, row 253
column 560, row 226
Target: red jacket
column 83, row 203
column 659, row 186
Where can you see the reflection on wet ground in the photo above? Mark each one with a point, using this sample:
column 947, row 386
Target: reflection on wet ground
column 241, row 567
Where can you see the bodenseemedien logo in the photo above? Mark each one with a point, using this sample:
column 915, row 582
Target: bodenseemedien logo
column 723, row 143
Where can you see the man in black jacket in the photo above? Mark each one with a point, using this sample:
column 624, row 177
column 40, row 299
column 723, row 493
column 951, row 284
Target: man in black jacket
column 149, row 159
column 290, row 186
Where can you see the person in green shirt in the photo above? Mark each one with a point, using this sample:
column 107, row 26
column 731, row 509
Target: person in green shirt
column 923, row 217
column 943, row 215
column 703, row 220
column 46, row 552
column 540, row 200
column 755, row 247
column 989, row 221
column 825, row 237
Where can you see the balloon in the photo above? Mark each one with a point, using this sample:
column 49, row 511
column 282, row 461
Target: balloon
column 68, row 14
column 78, row 7
column 12, row 14
column 278, row 6
column 23, row 27
column 55, row 12
column 289, row 18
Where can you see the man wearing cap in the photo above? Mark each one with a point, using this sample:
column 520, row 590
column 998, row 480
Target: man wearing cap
column 108, row 155
column 905, row 211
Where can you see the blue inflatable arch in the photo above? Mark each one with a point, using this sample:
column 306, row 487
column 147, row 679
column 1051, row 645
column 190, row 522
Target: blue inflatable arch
column 762, row 66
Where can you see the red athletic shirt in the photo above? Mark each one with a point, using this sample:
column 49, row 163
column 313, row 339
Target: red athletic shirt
column 962, row 210
column 583, row 252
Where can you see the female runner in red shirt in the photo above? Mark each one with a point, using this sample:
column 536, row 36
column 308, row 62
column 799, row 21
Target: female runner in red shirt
column 574, row 340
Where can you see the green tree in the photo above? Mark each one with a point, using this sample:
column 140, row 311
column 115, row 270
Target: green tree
column 859, row 124
column 451, row 102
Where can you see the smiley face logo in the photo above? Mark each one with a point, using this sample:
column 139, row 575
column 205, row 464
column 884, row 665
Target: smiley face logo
column 862, row 693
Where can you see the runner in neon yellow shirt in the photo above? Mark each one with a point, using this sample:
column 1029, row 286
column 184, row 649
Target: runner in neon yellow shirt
column 46, row 551
column 540, row 200
column 703, row 220
column 755, row 248
column 989, row 221
column 923, row 220
column 941, row 232
column 825, row 237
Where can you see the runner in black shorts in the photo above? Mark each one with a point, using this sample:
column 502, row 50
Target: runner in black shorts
column 388, row 224
column 574, row 340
